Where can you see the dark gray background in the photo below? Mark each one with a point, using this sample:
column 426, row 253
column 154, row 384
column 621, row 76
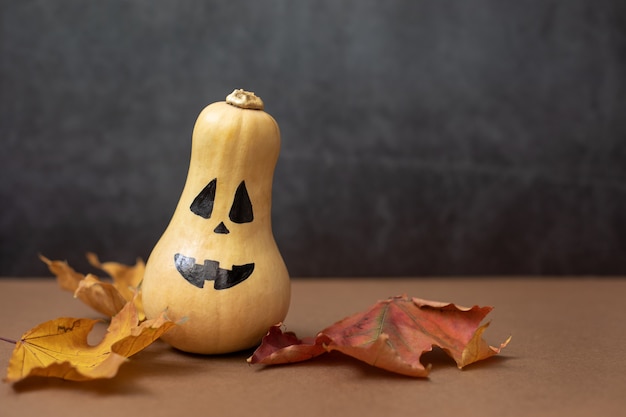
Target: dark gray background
column 419, row 137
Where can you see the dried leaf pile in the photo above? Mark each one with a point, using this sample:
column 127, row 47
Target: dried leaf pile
column 392, row 334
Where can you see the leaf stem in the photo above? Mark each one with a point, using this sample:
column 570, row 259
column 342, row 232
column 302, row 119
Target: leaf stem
column 4, row 339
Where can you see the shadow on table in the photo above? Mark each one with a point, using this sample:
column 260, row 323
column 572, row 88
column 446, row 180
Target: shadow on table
column 437, row 359
column 157, row 361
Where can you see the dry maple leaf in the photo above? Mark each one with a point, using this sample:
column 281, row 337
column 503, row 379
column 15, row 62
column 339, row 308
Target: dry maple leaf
column 67, row 278
column 126, row 278
column 393, row 334
column 101, row 296
column 104, row 297
column 59, row 348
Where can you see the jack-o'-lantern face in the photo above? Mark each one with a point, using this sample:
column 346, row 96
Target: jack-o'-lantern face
column 210, row 270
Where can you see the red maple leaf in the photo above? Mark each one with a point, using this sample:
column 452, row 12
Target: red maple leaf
column 392, row 334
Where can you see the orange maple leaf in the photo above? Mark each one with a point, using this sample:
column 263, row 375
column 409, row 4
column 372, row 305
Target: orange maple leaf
column 393, row 334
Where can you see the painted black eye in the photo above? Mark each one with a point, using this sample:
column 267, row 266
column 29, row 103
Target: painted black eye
column 203, row 203
column 241, row 211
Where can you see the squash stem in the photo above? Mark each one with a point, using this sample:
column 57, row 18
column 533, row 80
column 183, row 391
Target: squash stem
column 245, row 100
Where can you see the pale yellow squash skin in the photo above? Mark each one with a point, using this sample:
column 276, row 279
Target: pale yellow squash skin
column 231, row 144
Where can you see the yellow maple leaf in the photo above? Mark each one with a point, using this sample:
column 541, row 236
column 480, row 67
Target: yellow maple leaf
column 59, row 348
column 105, row 297
column 67, row 277
column 126, row 278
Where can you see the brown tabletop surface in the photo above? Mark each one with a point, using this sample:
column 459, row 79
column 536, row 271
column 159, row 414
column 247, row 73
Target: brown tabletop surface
column 567, row 357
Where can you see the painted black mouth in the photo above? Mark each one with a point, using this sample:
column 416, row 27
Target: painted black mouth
column 222, row 279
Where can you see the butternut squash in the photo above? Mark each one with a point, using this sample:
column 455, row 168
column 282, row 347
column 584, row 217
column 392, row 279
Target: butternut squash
column 217, row 265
